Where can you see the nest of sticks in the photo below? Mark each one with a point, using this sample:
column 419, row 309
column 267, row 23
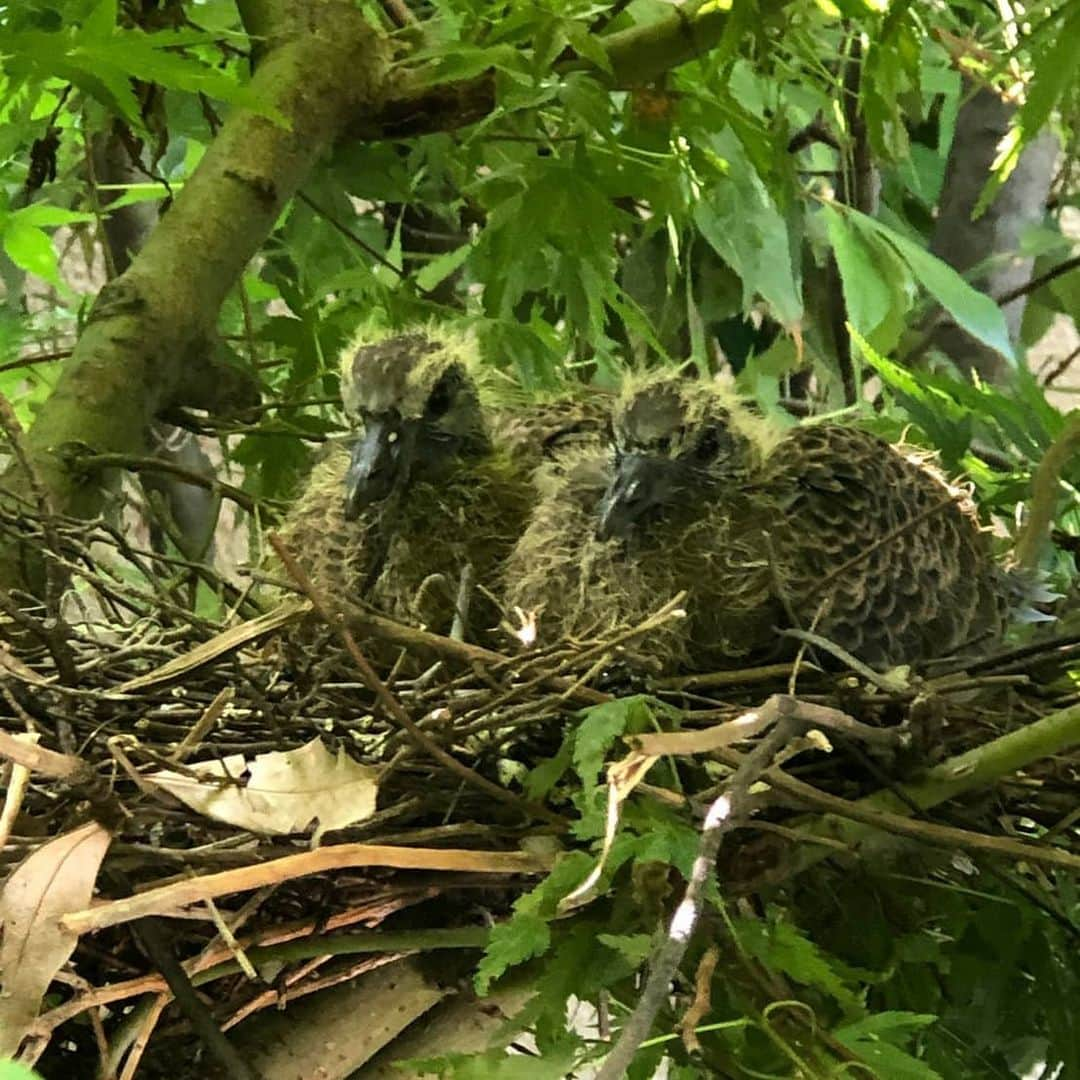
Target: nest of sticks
column 120, row 697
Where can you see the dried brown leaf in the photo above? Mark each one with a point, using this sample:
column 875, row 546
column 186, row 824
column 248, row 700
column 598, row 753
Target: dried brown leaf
column 57, row 878
column 285, row 791
column 623, row 776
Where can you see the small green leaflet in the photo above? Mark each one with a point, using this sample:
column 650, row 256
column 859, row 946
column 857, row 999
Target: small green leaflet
column 867, row 295
column 512, row 942
column 549, row 772
column 781, row 945
column 875, row 1039
column 102, row 59
column 635, row 947
column 440, row 268
column 600, row 727
column 525, row 934
column 944, row 420
column 29, row 247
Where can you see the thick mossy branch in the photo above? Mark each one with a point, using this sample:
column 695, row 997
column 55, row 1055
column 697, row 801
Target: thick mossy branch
column 636, row 55
column 148, row 336
column 977, row 769
column 323, row 74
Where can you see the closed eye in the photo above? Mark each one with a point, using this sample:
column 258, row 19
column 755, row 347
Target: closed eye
column 439, row 402
column 708, row 446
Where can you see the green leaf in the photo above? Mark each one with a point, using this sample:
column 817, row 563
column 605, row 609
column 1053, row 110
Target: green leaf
column 867, row 296
column 780, row 945
column 635, row 947
column 31, row 250
column 895, row 1026
column 547, row 774
column 467, row 61
column 588, row 46
column 43, row 215
column 945, row 421
column 600, row 726
column 584, row 96
column 12, row 1070
column 875, row 1040
column 440, row 268
column 102, row 60
column 512, row 942
column 738, row 217
column 101, row 22
column 971, row 309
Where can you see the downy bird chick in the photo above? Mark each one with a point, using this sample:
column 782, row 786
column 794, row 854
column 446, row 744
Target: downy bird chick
column 423, row 490
column 822, row 527
column 581, row 571
column 863, row 542
column 439, row 477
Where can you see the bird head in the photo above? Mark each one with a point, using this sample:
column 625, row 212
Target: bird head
column 414, row 401
column 675, row 440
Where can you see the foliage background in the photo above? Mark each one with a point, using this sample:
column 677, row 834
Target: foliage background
column 768, row 208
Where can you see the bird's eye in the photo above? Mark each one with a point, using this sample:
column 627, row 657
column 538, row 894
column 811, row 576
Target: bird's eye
column 709, row 445
column 663, row 444
column 439, row 402
column 443, row 393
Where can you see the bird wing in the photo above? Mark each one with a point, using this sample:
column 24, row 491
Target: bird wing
column 876, row 549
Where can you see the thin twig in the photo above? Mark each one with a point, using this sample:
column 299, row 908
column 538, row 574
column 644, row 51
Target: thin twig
column 134, row 463
column 724, row 815
column 390, row 704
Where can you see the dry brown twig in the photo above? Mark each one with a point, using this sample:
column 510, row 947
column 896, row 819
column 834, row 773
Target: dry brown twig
column 390, row 704
column 787, row 717
column 175, row 898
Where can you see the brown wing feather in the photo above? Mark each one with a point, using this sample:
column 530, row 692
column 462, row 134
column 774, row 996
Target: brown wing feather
column 894, row 554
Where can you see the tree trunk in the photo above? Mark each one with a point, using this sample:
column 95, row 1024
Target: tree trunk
column 982, row 122
column 146, row 344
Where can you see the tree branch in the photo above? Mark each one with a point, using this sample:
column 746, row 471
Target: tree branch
column 637, row 56
column 147, row 335
column 726, row 813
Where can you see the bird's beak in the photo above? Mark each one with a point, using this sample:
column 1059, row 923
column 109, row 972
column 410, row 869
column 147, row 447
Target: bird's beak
column 381, row 461
column 639, row 485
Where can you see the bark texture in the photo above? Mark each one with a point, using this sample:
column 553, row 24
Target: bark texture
column 982, row 122
column 148, row 339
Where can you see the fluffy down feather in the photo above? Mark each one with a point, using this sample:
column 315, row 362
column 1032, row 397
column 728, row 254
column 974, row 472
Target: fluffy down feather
column 819, row 526
column 405, row 555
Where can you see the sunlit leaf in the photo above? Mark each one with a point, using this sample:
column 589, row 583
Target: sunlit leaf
column 440, row 268
column 973, row 310
column 31, row 249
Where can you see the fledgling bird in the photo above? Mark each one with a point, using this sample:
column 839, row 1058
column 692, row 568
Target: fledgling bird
column 438, row 478
column 821, row 527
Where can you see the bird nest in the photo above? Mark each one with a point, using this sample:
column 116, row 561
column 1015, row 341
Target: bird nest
column 303, row 817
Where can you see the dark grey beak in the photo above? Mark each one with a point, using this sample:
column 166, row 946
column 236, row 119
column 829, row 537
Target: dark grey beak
column 381, row 461
column 640, row 484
